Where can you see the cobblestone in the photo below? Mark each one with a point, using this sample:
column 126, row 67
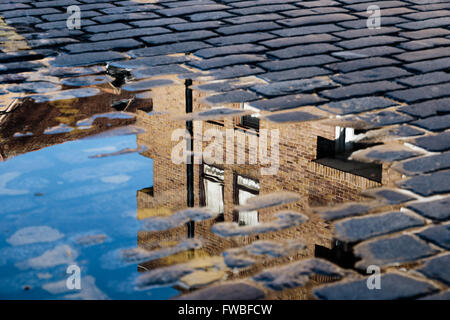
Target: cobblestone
column 437, row 268
column 389, row 251
column 439, row 235
column 395, row 286
column 357, row 229
column 428, row 185
column 436, row 209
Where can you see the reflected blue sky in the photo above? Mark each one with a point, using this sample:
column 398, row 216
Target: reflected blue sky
column 64, row 191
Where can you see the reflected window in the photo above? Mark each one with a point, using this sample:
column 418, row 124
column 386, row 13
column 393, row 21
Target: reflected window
column 212, row 188
column 246, row 188
column 344, row 140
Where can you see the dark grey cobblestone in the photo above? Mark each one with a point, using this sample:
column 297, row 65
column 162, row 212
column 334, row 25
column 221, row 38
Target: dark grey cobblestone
column 292, row 116
column 358, row 33
column 439, row 235
column 395, row 286
column 235, row 291
column 109, row 18
column 423, row 54
column 426, row 79
column 241, row 38
column 389, row 196
column 392, row 250
column 367, row 52
column 357, row 229
column 357, row 105
column 438, row 296
column 226, row 61
column 359, row 64
column 292, row 74
column 425, row 43
column 120, row 44
column 124, row 34
column 289, row 87
column 297, row 274
column 369, row 42
column 435, row 143
column 437, row 123
column 424, row 164
column 317, row 19
column 89, row 58
column 287, row 102
column 437, row 268
column 286, row 64
column 188, row 46
column 347, row 210
column 360, row 89
column 232, row 97
column 422, row 93
column 304, row 50
column 178, row 37
column 427, row 108
column 291, row 41
column 430, row 65
column 426, row 33
column 375, row 74
column 235, row 71
column 226, row 50
column 301, row 31
column 428, row 185
column 158, row 71
column 383, row 155
column 248, row 27
column 436, row 209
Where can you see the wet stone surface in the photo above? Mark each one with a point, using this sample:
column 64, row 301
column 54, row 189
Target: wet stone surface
column 297, row 274
column 395, row 287
column 439, row 235
column 430, row 184
column 363, row 228
column 425, row 164
column 235, row 291
column 436, row 268
column 390, row 196
column 436, row 209
column 345, row 211
column 386, row 251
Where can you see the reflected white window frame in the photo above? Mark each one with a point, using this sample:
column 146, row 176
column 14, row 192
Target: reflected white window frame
column 243, row 187
column 344, row 138
column 213, row 176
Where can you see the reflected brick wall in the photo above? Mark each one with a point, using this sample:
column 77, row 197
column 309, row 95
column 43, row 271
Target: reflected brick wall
column 315, row 183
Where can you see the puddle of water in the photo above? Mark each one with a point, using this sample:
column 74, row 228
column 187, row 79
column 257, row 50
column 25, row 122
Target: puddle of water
column 92, row 181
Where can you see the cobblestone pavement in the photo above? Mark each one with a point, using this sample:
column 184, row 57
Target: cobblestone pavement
column 393, row 80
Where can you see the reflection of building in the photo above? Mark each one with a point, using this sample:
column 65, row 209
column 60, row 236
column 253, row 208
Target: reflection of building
column 221, row 187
